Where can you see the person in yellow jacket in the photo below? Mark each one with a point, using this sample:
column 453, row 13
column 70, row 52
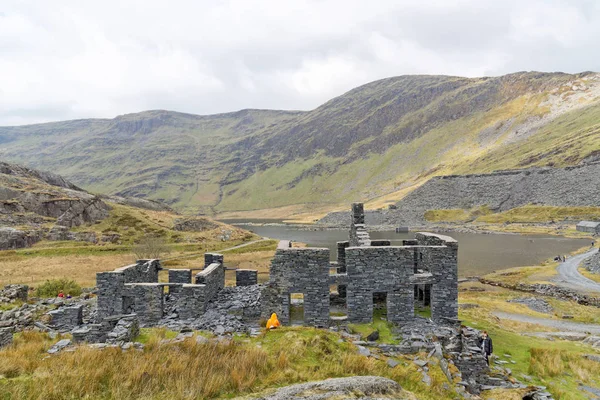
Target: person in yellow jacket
column 273, row 322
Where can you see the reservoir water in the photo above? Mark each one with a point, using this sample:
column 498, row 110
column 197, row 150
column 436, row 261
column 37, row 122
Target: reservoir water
column 478, row 254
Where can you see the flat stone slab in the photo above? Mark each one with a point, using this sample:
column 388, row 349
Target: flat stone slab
column 355, row 387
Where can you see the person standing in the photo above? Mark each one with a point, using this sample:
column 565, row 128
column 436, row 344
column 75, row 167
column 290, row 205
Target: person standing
column 486, row 346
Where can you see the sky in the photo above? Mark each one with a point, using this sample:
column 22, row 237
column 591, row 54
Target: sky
column 69, row 59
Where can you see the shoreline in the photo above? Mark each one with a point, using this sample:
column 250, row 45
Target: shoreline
column 488, row 229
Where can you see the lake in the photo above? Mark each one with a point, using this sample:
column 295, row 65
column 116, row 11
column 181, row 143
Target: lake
column 478, row 254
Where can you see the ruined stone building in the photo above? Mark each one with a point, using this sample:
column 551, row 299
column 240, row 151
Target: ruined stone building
column 424, row 269
column 136, row 289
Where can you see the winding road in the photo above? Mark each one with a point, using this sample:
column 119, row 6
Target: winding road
column 569, row 276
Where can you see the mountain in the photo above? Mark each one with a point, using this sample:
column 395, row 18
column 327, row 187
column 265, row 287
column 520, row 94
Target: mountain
column 375, row 142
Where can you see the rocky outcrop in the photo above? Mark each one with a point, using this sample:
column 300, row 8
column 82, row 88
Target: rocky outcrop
column 25, row 191
column 30, row 198
column 11, row 238
column 355, row 387
column 46, row 177
column 194, row 224
column 139, row 203
column 592, row 263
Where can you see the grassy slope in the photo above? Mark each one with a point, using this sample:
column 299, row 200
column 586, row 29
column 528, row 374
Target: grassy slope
column 373, row 142
column 190, row 371
column 81, row 260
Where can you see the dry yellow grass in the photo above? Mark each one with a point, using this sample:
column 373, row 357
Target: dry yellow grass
column 81, row 268
column 590, row 275
column 258, row 260
column 188, row 370
column 495, row 299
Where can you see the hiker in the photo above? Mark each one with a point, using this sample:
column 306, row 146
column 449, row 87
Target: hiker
column 486, row 346
column 68, row 296
column 273, row 322
column 61, row 294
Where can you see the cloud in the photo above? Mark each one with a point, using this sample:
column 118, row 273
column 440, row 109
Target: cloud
column 73, row 59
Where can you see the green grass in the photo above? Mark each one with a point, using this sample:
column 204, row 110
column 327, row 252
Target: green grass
column 147, row 334
column 10, row 306
column 386, row 334
column 520, row 348
column 533, row 213
column 267, row 245
column 188, row 370
column 424, row 312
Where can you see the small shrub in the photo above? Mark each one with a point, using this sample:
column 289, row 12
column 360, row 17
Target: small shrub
column 52, row 287
column 150, row 247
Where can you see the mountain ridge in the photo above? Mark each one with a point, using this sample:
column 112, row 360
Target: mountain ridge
column 372, row 142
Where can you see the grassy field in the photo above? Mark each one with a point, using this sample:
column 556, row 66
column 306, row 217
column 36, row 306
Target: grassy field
column 559, row 364
column 189, row 370
column 81, row 261
column 532, row 213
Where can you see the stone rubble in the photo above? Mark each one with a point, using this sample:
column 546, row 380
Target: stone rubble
column 534, row 303
column 6, row 337
column 13, row 293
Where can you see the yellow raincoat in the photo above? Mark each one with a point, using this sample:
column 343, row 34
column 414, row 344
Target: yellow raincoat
column 273, row 322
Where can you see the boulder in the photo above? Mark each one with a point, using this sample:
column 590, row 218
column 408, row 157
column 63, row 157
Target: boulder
column 355, row 387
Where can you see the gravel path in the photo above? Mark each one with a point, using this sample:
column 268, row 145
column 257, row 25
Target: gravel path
column 568, row 275
column 552, row 323
column 264, row 239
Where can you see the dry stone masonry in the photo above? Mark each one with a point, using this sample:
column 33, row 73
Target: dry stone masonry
column 367, row 272
column 426, row 267
column 246, row 277
column 135, row 289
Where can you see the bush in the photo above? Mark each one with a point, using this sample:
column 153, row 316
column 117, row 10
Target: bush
column 150, row 247
column 51, row 288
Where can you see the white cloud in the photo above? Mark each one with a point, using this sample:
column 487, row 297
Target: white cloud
column 75, row 59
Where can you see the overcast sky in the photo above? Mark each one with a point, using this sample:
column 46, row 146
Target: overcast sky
column 64, row 59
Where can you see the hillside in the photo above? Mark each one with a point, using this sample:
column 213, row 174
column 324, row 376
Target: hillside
column 375, row 142
column 41, row 206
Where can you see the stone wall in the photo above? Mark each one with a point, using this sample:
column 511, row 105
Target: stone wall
column 6, row 337
column 191, row 303
column 148, row 301
column 65, row 319
column 299, row 270
column 395, row 270
column 358, row 232
column 135, row 289
column 246, row 277
column 14, row 292
column 425, row 267
column 111, row 329
column 341, row 265
column 111, row 285
column 213, row 275
column 183, row 276
column 379, row 270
